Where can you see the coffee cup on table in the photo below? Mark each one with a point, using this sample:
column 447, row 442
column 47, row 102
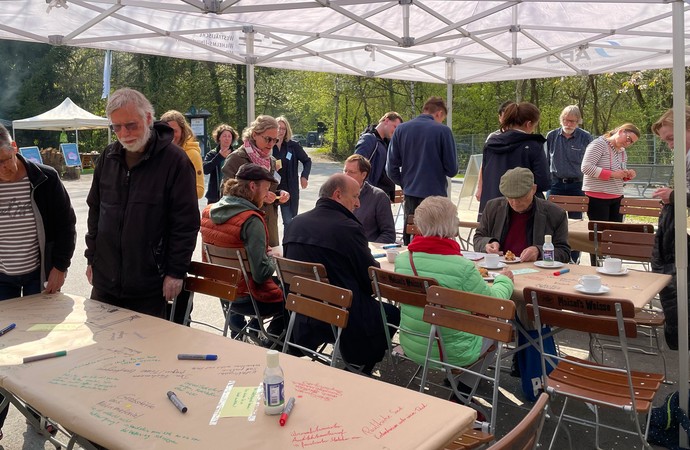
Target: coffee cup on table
column 591, row 283
column 391, row 254
column 491, row 260
column 613, row 265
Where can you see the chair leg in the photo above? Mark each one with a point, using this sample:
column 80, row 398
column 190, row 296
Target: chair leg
column 559, row 423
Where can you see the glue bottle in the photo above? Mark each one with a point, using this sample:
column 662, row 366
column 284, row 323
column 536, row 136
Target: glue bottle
column 274, row 384
column 548, row 251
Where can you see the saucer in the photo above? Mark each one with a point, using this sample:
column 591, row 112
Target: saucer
column 515, row 261
column 491, row 276
column 554, row 265
column 499, row 266
column 602, row 290
column 473, row 256
column 615, row 274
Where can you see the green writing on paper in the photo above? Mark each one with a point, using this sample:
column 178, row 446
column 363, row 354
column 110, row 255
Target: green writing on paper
column 241, row 402
column 195, row 389
column 524, row 271
column 89, row 382
column 55, row 327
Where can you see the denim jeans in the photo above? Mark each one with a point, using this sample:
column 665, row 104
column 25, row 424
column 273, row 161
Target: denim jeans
column 286, row 212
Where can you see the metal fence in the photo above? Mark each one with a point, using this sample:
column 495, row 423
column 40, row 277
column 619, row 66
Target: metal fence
column 649, row 149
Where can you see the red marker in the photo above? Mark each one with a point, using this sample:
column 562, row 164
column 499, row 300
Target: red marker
column 286, row 411
column 560, row 272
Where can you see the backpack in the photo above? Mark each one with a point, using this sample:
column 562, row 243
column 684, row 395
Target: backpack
column 665, row 421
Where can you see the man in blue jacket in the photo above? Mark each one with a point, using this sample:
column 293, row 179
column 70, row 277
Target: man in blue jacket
column 421, row 155
column 373, row 145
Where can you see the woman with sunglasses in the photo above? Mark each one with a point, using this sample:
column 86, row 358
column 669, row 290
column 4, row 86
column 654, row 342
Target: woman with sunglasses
column 605, row 171
column 258, row 139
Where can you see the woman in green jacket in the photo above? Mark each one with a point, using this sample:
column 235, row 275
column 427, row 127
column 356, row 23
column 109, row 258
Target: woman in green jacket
column 436, row 254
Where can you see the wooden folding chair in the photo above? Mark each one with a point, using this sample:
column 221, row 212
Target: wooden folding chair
column 287, row 269
column 410, row 227
column 237, row 257
column 584, row 380
column 525, row 435
column 466, row 240
column 322, row 302
column 213, row 280
column 571, row 203
column 481, row 315
column 398, row 199
column 399, row 289
column 596, row 228
column 641, row 207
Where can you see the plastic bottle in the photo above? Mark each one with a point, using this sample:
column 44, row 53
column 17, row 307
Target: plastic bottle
column 548, row 250
column 274, row 384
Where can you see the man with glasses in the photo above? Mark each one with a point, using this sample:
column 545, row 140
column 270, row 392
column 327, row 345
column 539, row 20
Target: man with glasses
column 37, row 228
column 143, row 212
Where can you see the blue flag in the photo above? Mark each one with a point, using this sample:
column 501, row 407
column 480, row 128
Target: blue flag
column 106, row 73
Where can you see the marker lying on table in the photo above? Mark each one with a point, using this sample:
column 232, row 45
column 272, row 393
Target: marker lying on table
column 29, row 359
column 177, row 402
column 197, row 357
column 8, row 328
column 387, row 246
column 561, row 272
column 286, row 411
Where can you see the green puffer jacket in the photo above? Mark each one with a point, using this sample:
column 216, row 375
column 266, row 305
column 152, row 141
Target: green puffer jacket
column 455, row 272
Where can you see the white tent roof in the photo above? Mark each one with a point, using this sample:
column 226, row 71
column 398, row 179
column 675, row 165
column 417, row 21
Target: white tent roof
column 402, row 39
column 66, row 116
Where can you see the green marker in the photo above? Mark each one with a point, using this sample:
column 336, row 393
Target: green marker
column 29, row 359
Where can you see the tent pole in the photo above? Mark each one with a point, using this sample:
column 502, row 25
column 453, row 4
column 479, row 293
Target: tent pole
column 450, row 79
column 680, row 203
column 251, row 61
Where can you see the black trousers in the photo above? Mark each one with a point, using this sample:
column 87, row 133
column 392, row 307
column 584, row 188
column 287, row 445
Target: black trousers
column 606, row 210
column 153, row 306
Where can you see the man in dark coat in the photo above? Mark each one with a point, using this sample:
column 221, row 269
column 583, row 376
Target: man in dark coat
column 331, row 235
column 143, row 212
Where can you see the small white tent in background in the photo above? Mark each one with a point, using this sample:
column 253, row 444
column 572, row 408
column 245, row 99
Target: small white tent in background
column 66, row 116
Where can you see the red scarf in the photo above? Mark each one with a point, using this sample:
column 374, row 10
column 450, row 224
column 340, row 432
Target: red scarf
column 256, row 155
column 434, row 245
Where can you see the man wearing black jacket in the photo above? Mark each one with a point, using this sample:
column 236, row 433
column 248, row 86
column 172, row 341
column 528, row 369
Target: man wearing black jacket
column 373, row 145
column 143, row 212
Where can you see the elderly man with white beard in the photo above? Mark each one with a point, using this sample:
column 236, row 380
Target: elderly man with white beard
column 143, row 213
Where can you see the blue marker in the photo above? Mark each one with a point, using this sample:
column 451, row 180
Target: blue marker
column 8, row 328
column 197, row 357
column 387, row 246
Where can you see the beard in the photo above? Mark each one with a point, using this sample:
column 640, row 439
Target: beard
column 139, row 145
column 569, row 130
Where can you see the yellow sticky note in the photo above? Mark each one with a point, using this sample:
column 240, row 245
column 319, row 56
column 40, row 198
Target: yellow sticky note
column 241, row 402
column 55, row 327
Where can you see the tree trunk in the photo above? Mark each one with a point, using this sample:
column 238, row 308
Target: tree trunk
column 336, row 114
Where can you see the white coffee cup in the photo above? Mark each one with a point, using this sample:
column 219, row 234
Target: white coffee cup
column 591, row 283
column 491, row 260
column 391, row 254
column 613, row 265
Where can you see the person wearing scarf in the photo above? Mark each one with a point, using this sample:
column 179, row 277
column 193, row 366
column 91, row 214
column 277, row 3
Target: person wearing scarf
column 436, row 254
column 258, row 139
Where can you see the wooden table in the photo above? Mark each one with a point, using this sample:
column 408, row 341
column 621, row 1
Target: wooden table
column 111, row 386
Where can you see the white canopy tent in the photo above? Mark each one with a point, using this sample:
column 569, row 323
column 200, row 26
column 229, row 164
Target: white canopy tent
column 66, row 116
column 439, row 41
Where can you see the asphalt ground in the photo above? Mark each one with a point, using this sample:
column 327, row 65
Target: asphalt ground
column 512, row 405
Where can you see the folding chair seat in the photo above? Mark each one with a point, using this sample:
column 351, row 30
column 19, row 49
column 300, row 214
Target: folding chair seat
column 322, row 302
column 210, row 279
column 481, row 315
column 525, row 436
column 237, row 257
column 597, row 384
column 399, row 289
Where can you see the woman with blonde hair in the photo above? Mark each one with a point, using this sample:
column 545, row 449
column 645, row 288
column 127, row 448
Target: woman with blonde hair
column 257, row 144
column 290, row 154
column 184, row 137
column 605, row 170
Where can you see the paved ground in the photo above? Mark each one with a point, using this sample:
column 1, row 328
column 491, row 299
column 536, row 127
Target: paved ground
column 512, row 407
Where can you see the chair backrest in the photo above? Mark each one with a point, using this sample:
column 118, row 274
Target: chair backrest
column 525, row 435
column 322, row 302
column 578, row 203
column 400, row 288
column 597, row 228
column 627, row 245
column 399, row 196
column 641, row 207
column 287, row 269
column 212, row 279
column 410, row 227
column 226, row 256
column 481, row 315
column 581, row 312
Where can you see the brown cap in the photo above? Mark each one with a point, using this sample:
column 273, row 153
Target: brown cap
column 516, row 183
column 254, row 172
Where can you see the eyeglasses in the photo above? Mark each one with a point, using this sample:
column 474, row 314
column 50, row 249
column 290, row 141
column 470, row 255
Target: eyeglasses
column 130, row 126
column 268, row 139
column 570, row 121
column 628, row 139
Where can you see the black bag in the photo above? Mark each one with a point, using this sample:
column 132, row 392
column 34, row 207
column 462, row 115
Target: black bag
column 665, row 421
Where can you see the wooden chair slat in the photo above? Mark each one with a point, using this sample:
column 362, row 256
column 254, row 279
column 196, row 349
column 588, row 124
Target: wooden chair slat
column 469, row 323
column 477, row 303
column 324, row 292
column 318, row 310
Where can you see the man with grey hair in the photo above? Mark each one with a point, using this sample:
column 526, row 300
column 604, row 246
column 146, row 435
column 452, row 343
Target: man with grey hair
column 37, row 228
column 519, row 221
column 565, row 147
column 143, row 216
column 330, row 234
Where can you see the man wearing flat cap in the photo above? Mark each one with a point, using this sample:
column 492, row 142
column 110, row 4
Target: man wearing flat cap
column 519, row 221
column 237, row 220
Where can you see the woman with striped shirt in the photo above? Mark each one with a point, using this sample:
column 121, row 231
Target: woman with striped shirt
column 604, row 169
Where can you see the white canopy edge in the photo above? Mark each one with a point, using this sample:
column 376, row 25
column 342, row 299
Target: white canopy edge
column 66, row 116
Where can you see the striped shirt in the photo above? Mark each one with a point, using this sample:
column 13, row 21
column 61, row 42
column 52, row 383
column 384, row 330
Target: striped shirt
column 19, row 253
column 598, row 163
